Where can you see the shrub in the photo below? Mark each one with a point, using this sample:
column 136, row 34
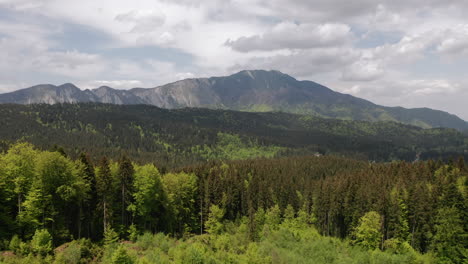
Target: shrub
column 69, row 253
column 41, row 243
column 15, row 244
column 121, row 256
column 110, row 236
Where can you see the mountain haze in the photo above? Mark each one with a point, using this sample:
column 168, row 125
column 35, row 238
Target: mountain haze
column 254, row 91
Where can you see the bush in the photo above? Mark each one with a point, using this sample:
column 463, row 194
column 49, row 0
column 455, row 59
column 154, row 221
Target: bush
column 41, row 243
column 24, row 248
column 397, row 246
column 132, row 233
column 69, row 253
column 121, row 256
column 15, row 244
column 194, row 254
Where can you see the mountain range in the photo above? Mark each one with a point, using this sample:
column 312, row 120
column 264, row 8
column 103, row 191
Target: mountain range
column 253, row 91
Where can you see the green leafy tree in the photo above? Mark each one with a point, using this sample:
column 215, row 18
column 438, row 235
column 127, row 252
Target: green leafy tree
column 214, row 225
column 368, row 232
column 181, row 189
column 149, row 201
column 33, row 214
column 19, row 166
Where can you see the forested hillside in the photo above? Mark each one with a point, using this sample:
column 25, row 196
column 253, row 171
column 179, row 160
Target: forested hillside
column 285, row 210
column 172, row 138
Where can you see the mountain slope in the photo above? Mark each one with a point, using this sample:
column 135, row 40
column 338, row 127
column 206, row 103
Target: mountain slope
column 49, row 94
column 254, row 91
column 188, row 135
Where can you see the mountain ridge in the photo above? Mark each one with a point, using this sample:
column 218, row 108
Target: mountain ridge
column 248, row 90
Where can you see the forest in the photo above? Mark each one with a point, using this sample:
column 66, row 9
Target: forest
column 55, row 208
column 180, row 137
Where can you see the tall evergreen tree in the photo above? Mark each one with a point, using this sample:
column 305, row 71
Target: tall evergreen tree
column 104, row 187
column 89, row 205
column 125, row 176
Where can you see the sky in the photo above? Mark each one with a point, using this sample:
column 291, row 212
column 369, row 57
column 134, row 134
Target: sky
column 410, row 53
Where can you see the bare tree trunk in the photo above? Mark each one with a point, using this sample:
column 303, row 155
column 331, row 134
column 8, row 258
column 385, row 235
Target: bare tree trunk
column 79, row 220
column 104, row 216
column 19, row 203
column 201, row 215
column 123, row 204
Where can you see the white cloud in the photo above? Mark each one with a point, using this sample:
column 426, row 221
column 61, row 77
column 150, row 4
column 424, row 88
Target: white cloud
column 363, row 70
column 73, row 64
column 323, row 40
column 289, row 35
column 304, row 63
column 142, row 21
column 455, row 41
column 117, row 84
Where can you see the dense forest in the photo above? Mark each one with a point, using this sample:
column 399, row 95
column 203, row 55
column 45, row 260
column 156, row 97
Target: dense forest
column 328, row 209
column 174, row 138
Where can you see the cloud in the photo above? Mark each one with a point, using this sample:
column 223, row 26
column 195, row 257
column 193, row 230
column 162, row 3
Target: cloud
column 392, row 51
column 289, row 35
column 117, row 84
column 70, row 63
column 304, row 62
column 439, row 94
column 142, row 21
column 362, row 70
column 455, row 41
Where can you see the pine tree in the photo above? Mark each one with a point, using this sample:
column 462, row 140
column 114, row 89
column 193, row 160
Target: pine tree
column 104, row 187
column 125, row 175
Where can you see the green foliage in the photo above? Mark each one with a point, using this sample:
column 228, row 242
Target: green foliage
column 121, row 256
column 125, row 175
column 422, row 204
column 397, row 246
column 231, row 147
column 15, row 244
column 41, row 243
column 398, row 220
column 149, row 198
column 273, row 217
column 368, row 232
column 450, row 238
column 132, row 233
column 214, row 225
column 178, row 137
column 69, row 253
column 287, row 244
column 110, row 237
column 181, row 189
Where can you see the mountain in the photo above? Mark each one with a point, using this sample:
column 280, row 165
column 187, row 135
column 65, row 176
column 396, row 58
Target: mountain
column 253, row 91
column 49, row 94
column 183, row 136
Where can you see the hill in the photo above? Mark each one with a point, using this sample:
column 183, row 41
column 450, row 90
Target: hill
column 184, row 136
